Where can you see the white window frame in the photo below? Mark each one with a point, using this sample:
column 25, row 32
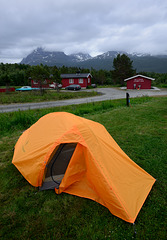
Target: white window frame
column 71, row 81
column 81, row 80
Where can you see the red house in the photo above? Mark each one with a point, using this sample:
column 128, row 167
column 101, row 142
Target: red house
column 82, row 79
column 139, row 82
column 44, row 84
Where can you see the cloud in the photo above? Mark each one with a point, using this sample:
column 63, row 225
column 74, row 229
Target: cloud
column 85, row 26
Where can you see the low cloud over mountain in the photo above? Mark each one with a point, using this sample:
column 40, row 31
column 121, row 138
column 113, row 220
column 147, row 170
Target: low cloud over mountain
column 141, row 62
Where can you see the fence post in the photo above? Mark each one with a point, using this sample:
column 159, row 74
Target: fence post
column 127, row 99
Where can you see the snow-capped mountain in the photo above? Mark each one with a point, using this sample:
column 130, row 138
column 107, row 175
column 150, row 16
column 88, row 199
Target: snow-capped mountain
column 141, row 62
column 135, row 54
column 109, row 54
column 39, row 56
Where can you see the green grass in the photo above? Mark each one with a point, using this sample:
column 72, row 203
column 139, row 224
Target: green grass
column 140, row 130
column 162, row 85
column 24, row 119
column 49, row 95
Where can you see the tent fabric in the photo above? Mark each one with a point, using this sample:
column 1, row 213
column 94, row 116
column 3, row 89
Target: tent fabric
column 98, row 169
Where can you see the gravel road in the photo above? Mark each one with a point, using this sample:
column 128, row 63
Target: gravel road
column 107, row 94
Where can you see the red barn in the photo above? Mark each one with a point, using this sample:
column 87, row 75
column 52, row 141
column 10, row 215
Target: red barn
column 139, row 82
column 82, row 79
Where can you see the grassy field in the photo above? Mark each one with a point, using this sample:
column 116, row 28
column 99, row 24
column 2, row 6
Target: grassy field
column 49, row 95
column 26, row 213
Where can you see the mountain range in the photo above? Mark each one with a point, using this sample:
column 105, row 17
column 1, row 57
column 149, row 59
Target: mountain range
column 141, row 62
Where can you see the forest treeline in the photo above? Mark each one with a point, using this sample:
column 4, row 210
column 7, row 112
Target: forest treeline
column 21, row 74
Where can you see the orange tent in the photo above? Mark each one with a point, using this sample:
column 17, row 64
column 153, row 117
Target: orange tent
column 78, row 156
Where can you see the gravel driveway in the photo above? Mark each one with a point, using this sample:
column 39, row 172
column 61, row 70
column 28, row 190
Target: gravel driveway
column 107, row 94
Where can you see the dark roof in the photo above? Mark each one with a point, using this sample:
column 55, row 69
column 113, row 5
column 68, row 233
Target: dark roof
column 75, row 75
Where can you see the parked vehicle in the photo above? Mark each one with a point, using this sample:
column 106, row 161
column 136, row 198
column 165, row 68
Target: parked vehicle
column 73, row 87
column 26, row 88
column 55, row 86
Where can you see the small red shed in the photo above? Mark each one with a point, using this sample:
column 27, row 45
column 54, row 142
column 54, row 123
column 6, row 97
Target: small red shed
column 82, row 79
column 139, row 82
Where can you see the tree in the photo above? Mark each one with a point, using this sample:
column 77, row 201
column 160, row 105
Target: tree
column 40, row 73
column 102, row 76
column 122, row 68
column 7, row 80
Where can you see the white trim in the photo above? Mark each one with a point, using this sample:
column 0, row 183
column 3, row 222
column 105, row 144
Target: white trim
column 81, row 80
column 89, row 75
column 139, row 76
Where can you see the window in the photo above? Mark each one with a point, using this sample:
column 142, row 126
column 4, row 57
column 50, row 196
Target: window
column 71, row 80
column 88, row 80
column 80, row 80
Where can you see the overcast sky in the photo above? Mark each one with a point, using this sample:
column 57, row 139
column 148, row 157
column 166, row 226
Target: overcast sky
column 89, row 26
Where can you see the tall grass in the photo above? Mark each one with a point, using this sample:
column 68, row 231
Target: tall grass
column 24, row 119
column 140, row 130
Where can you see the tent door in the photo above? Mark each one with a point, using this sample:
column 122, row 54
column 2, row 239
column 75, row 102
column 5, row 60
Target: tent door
column 58, row 165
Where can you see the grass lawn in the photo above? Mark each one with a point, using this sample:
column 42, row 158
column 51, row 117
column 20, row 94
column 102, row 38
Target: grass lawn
column 26, row 213
column 49, row 95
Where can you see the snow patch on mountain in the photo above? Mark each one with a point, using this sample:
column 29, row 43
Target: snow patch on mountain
column 80, row 57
